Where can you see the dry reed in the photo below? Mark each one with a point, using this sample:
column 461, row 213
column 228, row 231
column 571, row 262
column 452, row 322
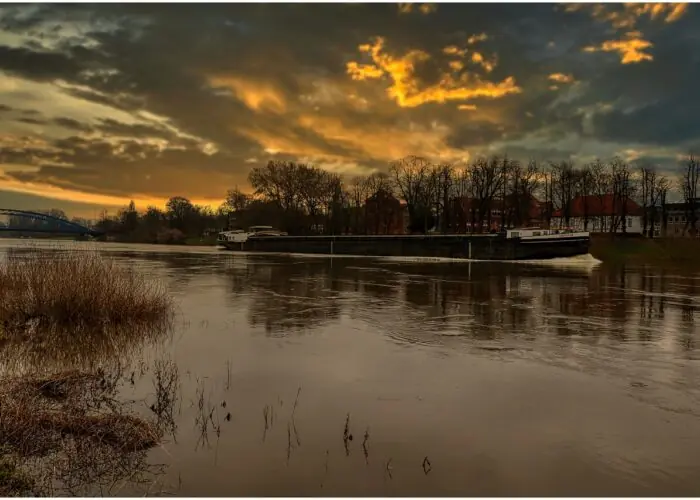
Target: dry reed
column 70, row 433
column 76, row 288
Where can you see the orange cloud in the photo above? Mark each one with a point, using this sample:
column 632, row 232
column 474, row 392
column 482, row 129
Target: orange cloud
column 631, row 50
column 479, row 59
column 378, row 142
column 456, row 65
column 561, row 78
column 467, row 107
column 427, row 8
column 481, row 37
column 258, row 96
column 404, row 87
column 424, row 8
column 453, row 50
column 627, row 17
column 363, row 71
column 275, row 143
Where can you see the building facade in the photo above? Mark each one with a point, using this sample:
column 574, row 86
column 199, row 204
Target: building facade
column 678, row 220
column 600, row 214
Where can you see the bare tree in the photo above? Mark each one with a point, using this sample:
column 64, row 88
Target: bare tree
column 650, row 184
column 236, row 200
column 301, row 192
column 461, row 201
column 623, row 191
column 546, row 181
column 663, row 187
column 412, row 177
column 277, row 182
column 564, row 188
column 358, row 193
column 486, row 183
column 601, row 187
column 585, row 189
column 378, row 181
column 442, row 180
column 689, row 184
column 523, row 183
column 337, row 220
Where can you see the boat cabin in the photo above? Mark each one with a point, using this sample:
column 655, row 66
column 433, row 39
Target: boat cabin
column 537, row 233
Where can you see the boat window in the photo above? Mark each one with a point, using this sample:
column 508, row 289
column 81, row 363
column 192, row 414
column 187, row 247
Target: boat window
column 515, row 234
column 536, row 233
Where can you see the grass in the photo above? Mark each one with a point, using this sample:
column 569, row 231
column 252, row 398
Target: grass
column 668, row 252
column 13, row 481
column 68, row 433
column 75, row 288
column 201, row 241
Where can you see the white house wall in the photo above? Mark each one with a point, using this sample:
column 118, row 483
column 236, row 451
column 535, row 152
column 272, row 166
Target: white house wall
column 599, row 224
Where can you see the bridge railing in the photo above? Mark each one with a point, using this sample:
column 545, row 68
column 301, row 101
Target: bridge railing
column 49, row 223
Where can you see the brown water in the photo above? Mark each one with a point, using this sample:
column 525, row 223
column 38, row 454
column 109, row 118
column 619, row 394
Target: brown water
column 512, row 379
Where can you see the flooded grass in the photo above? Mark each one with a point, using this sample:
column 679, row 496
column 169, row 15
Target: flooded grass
column 14, row 482
column 68, row 431
column 76, row 288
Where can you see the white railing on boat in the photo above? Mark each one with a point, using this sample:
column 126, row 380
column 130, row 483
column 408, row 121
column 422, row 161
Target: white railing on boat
column 545, row 234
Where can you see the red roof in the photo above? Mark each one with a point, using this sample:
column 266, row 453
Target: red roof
column 597, row 206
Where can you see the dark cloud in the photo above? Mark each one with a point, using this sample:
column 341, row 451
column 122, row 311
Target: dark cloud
column 31, row 121
column 40, row 66
column 246, row 82
column 113, row 127
column 72, row 124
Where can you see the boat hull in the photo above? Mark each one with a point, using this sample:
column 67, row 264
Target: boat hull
column 475, row 247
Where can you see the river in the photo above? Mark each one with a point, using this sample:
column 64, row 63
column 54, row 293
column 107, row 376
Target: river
column 354, row 376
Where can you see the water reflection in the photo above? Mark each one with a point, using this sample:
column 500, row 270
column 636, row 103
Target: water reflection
column 505, row 303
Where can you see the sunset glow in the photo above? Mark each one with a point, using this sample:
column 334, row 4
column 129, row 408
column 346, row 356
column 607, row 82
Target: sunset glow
column 117, row 108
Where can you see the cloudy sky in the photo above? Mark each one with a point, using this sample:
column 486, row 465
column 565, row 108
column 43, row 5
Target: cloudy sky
column 100, row 104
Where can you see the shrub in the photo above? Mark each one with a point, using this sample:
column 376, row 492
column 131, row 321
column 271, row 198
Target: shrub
column 170, row 237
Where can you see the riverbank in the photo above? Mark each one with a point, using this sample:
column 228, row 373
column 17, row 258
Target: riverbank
column 668, row 252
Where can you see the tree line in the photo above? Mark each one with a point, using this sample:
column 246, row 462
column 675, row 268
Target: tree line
column 304, row 199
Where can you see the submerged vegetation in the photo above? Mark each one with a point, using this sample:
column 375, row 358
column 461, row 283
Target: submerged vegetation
column 66, row 430
column 69, row 433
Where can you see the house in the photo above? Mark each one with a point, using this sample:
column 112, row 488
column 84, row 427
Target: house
column 385, row 214
column 677, row 217
column 600, row 214
column 525, row 212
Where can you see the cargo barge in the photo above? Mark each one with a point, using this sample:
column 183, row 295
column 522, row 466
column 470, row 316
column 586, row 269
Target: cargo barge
column 513, row 244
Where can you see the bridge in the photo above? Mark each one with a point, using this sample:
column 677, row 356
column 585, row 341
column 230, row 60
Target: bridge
column 37, row 222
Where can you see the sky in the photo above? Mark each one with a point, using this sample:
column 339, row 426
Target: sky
column 104, row 103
